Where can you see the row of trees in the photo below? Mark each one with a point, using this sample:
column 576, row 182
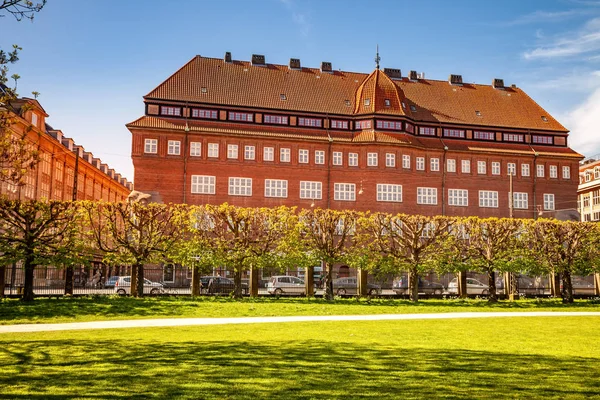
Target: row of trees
column 247, row 239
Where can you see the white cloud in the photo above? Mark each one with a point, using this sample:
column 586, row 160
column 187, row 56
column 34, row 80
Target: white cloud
column 299, row 18
column 577, row 80
column 547, row 16
column 584, row 123
column 584, row 41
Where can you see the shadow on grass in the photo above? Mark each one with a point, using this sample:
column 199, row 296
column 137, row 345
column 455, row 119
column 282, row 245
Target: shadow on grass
column 56, row 369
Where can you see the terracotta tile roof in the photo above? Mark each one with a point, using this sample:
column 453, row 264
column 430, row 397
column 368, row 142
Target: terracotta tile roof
column 309, row 90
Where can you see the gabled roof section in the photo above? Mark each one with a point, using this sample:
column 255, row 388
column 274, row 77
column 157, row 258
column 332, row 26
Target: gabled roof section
column 212, row 81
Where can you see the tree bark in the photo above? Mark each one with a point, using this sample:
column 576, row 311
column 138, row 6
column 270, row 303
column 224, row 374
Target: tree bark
column 140, row 281
column 237, row 283
column 567, row 289
column 28, row 283
column 309, row 282
column 413, row 284
column 196, row 282
column 597, row 284
column 363, row 289
column 462, row 284
column 328, row 282
column 69, row 280
column 2, row 280
column 555, row 284
column 493, row 296
column 253, row 282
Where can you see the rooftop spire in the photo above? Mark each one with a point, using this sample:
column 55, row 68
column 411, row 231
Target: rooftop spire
column 377, row 58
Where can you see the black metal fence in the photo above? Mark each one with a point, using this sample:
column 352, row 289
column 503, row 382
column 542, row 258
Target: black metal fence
column 100, row 279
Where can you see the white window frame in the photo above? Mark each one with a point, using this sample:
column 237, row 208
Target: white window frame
column 203, row 184
column 451, row 165
column 320, row 157
column 213, row 150
column 420, row 163
column 240, row 186
column 458, row 197
column 353, row 159
column 151, row 146
column 553, row 171
column 427, row 196
column 488, row 199
column 249, row 152
column 406, row 161
column 372, row 159
column 434, row 164
column 389, row 192
column 511, row 169
column 525, row 169
column 303, row 156
column 566, row 172
column 232, row 151
column 195, row 149
column 390, row 160
column 344, row 191
column 520, row 200
column 496, row 168
column 311, row 190
column 481, row 167
column 338, row 158
column 276, row 188
column 173, row 147
column 268, row 154
column 465, row 166
column 540, row 170
column 549, row 201
column 285, row 154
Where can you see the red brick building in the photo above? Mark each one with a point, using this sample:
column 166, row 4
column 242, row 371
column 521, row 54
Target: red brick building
column 63, row 164
column 588, row 201
column 259, row 134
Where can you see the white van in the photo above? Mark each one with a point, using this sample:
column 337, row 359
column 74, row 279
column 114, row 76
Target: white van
column 123, row 286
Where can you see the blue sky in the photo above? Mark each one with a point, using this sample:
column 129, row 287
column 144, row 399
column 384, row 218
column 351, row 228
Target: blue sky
column 93, row 61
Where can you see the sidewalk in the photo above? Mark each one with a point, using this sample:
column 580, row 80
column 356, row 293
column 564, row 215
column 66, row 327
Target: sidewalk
column 166, row 322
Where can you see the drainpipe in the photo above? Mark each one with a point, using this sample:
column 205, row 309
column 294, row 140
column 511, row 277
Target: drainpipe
column 443, row 166
column 185, row 155
column 534, row 172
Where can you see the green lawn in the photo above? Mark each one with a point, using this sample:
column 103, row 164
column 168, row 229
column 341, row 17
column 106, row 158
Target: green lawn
column 496, row 358
column 45, row 310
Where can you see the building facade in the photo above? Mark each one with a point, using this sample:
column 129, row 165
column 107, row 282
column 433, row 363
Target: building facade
column 588, row 193
column 259, row 134
column 66, row 171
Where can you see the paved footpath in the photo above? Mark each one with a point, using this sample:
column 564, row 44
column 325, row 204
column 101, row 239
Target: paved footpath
column 167, row 322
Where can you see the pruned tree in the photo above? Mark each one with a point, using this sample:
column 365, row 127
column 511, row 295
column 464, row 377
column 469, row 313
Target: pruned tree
column 564, row 247
column 134, row 234
column 248, row 238
column 39, row 233
column 325, row 235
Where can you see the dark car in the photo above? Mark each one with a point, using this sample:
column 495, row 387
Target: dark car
column 425, row 286
column 110, row 282
column 343, row 286
column 220, row 285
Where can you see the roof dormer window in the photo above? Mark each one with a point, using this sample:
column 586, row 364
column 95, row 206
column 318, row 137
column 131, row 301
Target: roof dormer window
column 413, row 108
column 34, row 119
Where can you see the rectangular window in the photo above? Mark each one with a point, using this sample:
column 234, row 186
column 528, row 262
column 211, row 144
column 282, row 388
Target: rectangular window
column 203, row 184
column 353, row 159
column 275, row 119
column 151, row 146
column 284, row 155
column 366, row 124
column 553, row 171
column 390, row 160
column 410, row 128
column 540, row 171
column 458, row 197
column 249, row 152
column 548, row 201
column 524, row 169
column 481, row 167
column 386, row 192
column 310, row 190
column 488, row 199
column 455, row 133
column 566, row 172
column 426, row 195
column 371, row 159
column 420, row 163
column 268, row 154
column 481, row 135
column 213, row 150
column 195, row 149
column 426, row 131
column 511, row 169
column 344, row 191
column 232, row 151
column 406, row 161
column 240, row 186
column 339, row 124
column 201, row 113
column 393, row 125
column 303, row 156
column 451, row 165
column 337, row 158
column 240, row 116
column 513, row 137
column 465, row 166
column 320, row 157
column 520, row 200
column 596, row 197
column 542, row 139
column 434, row 164
column 314, row 122
column 495, row 168
column 174, row 111
column 276, row 188
column 174, row 147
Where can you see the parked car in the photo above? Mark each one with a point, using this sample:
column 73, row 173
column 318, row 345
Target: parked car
column 284, row 284
column 343, row 286
column 221, row 285
column 473, row 287
column 525, row 284
column 123, row 286
column 110, row 282
column 425, row 286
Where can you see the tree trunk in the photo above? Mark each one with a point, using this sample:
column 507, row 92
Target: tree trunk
column 2, row 280
column 196, row 282
column 253, row 282
column 567, row 290
column 493, row 296
column 69, row 280
column 555, row 284
column 597, row 284
column 133, row 280
column 328, row 282
column 237, row 283
column 413, row 284
column 28, row 283
column 363, row 288
column 140, row 281
column 462, row 284
column 309, row 281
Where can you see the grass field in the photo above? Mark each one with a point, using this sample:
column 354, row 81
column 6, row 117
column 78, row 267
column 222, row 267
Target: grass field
column 496, row 358
column 107, row 308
